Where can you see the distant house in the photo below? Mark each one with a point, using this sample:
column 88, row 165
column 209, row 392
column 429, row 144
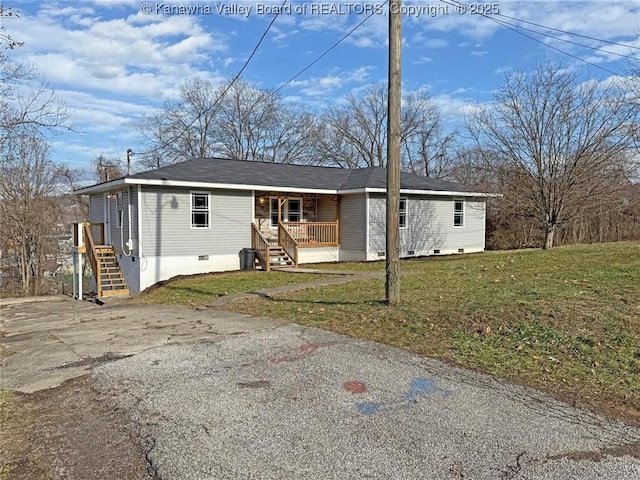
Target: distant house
column 196, row 217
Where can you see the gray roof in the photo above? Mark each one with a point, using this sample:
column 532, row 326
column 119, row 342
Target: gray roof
column 242, row 172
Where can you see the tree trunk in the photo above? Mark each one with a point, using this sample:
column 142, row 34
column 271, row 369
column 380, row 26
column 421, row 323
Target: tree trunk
column 548, row 237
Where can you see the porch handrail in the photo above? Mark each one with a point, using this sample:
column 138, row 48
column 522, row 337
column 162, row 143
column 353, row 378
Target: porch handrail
column 288, row 243
column 92, row 253
column 261, row 246
column 100, row 231
column 314, row 233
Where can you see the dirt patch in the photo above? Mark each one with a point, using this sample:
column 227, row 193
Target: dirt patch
column 66, row 433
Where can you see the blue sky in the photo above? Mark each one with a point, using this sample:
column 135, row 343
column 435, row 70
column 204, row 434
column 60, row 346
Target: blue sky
column 111, row 61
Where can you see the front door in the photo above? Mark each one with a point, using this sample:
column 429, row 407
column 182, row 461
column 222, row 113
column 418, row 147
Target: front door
column 107, row 219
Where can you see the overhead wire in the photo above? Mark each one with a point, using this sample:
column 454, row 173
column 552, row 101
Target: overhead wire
column 511, row 26
column 567, row 32
column 328, row 50
column 514, row 28
column 224, row 92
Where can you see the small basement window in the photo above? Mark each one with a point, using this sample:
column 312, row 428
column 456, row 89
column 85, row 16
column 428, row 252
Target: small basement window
column 458, row 213
column 199, row 210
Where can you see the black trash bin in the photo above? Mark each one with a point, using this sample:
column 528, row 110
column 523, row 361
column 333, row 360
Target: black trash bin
column 247, row 259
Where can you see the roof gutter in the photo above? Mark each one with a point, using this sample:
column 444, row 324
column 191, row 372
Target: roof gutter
column 121, row 182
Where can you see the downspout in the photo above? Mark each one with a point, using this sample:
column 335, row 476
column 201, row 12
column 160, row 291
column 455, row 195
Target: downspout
column 129, row 243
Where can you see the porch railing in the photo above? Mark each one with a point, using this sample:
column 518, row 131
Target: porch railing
column 92, row 253
column 309, row 234
column 288, row 243
column 96, row 229
column 261, row 246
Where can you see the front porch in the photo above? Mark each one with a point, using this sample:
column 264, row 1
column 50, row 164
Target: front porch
column 290, row 229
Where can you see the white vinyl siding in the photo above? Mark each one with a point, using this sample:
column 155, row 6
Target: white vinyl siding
column 458, row 212
column 166, row 223
column 429, row 226
column 353, row 227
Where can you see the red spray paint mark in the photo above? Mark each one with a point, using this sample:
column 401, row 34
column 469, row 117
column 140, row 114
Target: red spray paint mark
column 354, row 387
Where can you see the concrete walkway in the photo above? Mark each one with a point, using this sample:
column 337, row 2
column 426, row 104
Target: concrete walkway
column 346, row 277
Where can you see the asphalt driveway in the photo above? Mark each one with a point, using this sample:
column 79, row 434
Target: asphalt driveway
column 299, row 403
column 213, row 395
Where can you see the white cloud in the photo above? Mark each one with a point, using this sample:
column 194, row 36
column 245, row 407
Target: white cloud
column 320, row 86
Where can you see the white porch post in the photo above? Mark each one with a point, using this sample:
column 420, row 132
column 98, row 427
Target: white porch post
column 77, row 292
column 74, row 277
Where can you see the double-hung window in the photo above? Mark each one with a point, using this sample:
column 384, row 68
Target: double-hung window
column 199, row 210
column 274, row 212
column 294, row 210
column 402, row 213
column 458, row 213
column 291, row 210
column 119, row 210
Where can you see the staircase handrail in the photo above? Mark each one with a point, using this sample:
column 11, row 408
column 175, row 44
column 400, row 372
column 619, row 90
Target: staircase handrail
column 288, row 243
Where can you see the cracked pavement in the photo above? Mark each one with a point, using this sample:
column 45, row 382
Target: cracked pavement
column 294, row 402
column 215, row 395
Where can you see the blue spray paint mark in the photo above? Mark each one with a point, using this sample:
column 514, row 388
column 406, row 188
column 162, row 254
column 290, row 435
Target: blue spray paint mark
column 368, row 408
column 419, row 387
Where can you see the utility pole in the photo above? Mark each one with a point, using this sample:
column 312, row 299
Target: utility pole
column 129, row 153
column 392, row 282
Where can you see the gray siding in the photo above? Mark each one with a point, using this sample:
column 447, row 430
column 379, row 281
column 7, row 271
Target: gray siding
column 353, row 218
column 326, row 209
column 96, row 208
column 429, row 226
column 120, row 235
column 96, row 214
column 166, row 223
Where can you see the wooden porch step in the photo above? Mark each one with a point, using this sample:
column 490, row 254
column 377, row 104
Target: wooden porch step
column 278, row 256
column 110, row 277
column 114, row 293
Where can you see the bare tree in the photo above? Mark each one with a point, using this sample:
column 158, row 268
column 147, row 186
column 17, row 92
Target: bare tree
column 108, row 168
column 355, row 134
column 184, row 128
column 240, row 122
column 25, row 99
column 551, row 139
column 30, row 185
column 29, row 181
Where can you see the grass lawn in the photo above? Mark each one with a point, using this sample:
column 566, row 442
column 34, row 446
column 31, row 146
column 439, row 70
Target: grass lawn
column 201, row 289
column 566, row 321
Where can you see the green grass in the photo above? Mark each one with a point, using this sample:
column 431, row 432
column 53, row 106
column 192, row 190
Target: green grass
column 201, row 289
column 566, row 321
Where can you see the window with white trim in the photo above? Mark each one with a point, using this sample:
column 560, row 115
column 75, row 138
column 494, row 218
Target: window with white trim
column 458, row 212
column 273, row 213
column 291, row 210
column 402, row 213
column 199, row 210
column 119, row 210
column 294, row 210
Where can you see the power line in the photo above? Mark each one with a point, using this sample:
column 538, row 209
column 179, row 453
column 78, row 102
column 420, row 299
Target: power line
column 228, row 87
column 568, row 33
column 328, row 50
column 508, row 26
column 597, row 49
